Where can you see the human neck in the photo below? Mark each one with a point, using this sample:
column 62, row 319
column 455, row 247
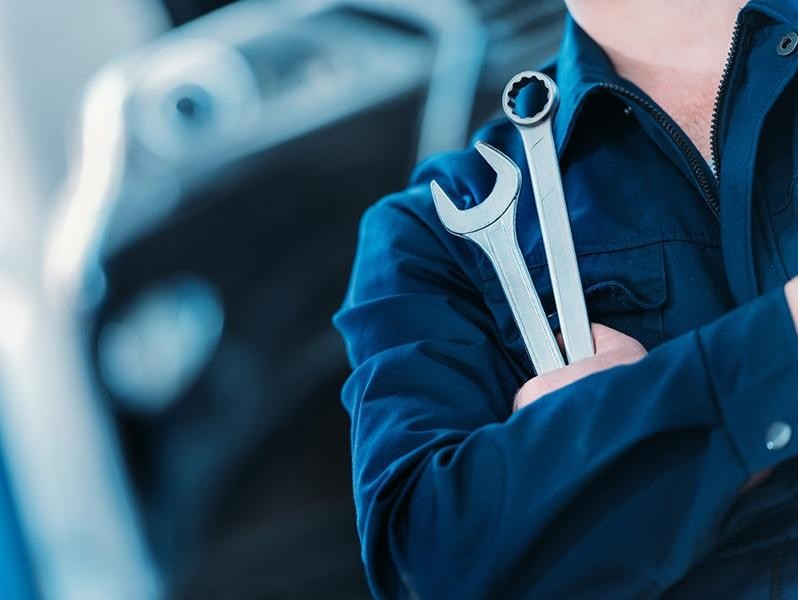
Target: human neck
column 674, row 50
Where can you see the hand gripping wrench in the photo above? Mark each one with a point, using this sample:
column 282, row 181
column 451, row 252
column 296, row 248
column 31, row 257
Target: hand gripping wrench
column 491, row 225
column 541, row 156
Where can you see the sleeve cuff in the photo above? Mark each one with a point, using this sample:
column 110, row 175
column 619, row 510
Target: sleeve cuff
column 751, row 358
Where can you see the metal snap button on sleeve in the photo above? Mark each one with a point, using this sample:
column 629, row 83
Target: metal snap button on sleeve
column 787, row 44
column 778, row 435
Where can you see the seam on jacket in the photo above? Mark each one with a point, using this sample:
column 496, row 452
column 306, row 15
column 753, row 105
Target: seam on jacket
column 716, row 400
column 777, row 571
column 777, row 265
column 621, row 247
column 791, row 197
column 466, row 283
column 753, row 154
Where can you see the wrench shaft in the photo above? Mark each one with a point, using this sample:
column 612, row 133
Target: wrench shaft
column 491, row 225
column 555, row 225
column 500, row 243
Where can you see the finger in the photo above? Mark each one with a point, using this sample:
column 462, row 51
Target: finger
column 606, row 338
column 551, row 381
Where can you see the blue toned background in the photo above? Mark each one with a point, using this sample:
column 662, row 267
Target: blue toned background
column 180, row 187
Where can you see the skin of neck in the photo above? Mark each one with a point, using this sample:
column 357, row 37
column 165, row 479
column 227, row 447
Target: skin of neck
column 674, row 50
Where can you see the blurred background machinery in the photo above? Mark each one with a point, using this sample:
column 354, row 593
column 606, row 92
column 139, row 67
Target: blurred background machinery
column 169, row 377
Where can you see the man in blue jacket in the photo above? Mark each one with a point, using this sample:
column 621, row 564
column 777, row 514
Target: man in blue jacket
column 631, row 474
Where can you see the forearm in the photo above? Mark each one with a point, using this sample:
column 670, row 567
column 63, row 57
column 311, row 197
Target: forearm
column 641, row 461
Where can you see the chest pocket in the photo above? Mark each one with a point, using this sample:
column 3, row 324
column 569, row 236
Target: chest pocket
column 625, row 289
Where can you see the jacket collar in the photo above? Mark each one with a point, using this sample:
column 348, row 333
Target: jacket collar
column 580, row 69
column 582, row 66
column 778, row 10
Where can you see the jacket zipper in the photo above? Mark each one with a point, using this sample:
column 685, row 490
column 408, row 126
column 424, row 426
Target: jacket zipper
column 697, row 163
column 724, row 83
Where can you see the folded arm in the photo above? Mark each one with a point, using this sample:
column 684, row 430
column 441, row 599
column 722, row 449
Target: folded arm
column 616, row 483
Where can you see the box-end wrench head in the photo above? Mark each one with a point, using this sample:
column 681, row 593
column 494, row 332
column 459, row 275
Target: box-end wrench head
column 491, row 225
column 544, row 169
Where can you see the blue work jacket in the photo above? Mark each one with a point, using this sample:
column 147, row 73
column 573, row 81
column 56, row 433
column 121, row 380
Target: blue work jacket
column 626, row 484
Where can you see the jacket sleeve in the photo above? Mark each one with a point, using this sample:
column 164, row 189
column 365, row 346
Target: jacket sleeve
column 610, row 487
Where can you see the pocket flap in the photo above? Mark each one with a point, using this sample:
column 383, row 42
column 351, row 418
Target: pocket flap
column 625, row 280
column 618, row 282
column 624, row 289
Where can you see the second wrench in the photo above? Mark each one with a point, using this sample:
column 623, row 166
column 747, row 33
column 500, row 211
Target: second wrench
column 555, row 226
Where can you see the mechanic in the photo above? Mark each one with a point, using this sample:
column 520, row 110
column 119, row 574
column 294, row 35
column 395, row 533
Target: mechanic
column 631, row 474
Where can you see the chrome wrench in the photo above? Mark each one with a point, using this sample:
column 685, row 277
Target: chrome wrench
column 491, row 225
column 555, row 226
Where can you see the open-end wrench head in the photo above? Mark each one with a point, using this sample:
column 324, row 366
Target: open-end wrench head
column 487, row 212
column 513, row 90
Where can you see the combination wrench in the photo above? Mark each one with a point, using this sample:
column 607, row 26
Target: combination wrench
column 541, row 156
column 491, row 225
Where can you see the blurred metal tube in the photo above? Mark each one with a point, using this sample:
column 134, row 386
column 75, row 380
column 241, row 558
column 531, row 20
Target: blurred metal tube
column 461, row 42
column 68, row 472
column 68, row 476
